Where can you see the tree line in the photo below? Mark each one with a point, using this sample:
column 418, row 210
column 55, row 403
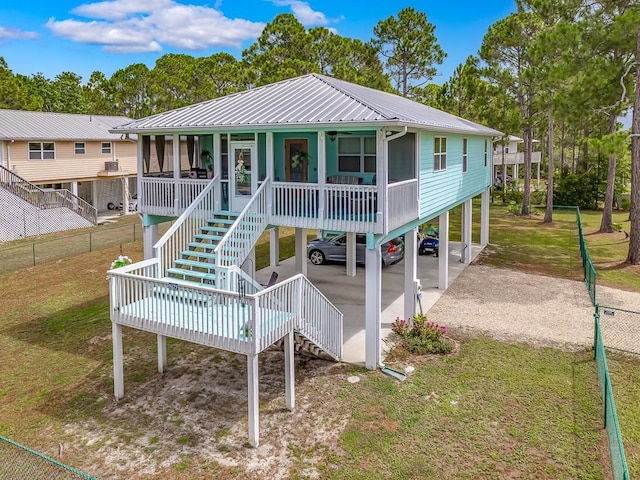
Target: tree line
column 559, row 71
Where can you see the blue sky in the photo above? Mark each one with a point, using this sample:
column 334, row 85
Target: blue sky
column 52, row 36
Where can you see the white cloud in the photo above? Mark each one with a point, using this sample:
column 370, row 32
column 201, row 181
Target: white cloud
column 304, row 13
column 14, row 33
column 145, row 26
column 117, row 9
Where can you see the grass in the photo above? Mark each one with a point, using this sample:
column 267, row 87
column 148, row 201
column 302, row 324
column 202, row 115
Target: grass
column 492, row 411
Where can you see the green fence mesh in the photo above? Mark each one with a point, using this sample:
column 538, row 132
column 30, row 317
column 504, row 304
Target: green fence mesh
column 587, row 265
column 614, row 435
column 620, row 329
column 18, row 462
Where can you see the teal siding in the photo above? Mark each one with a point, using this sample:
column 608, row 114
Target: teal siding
column 445, row 189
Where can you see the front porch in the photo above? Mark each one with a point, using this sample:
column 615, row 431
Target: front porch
column 341, row 207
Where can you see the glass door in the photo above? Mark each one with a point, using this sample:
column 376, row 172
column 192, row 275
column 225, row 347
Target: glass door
column 243, row 181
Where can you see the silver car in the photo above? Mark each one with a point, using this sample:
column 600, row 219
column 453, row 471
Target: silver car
column 334, row 249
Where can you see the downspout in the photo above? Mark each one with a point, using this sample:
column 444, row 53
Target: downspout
column 385, row 179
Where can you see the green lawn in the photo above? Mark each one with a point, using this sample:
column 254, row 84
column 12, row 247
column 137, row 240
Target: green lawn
column 493, row 410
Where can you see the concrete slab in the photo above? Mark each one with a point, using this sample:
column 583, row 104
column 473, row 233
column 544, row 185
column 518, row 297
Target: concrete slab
column 347, row 293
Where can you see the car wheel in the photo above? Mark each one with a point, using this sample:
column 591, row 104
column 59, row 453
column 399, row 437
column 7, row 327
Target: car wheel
column 421, row 252
column 111, row 206
column 316, row 257
column 436, row 252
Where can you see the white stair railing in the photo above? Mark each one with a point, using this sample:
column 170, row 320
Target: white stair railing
column 175, row 240
column 45, row 199
column 240, row 239
column 316, row 317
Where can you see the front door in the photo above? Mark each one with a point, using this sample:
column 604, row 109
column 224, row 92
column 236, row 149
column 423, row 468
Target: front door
column 296, row 160
column 243, row 174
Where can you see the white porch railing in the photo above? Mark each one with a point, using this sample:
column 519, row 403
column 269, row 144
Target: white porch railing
column 241, row 237
column 197, row 213
column 231, row 321
column 351, row 208
column 295, row 204
column 402, row 203
column 168, row 196
column 515, row 158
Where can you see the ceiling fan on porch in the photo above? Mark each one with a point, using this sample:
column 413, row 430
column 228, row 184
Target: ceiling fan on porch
column 333, row 134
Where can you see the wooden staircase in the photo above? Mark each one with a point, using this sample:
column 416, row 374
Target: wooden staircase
column 197, row 262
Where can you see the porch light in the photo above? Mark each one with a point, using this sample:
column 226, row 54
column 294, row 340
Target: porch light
column 332, row 135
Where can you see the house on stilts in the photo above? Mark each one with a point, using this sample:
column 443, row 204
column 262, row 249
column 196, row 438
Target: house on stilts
column 311, row 152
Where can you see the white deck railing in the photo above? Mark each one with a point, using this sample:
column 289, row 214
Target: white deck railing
column 168, row 196
column 515, row 157
column 175, row 240
column 351, row 208
column 402, row 203
column 295, row 204
column 240, row 239
column 340, row 207
column 231, row 321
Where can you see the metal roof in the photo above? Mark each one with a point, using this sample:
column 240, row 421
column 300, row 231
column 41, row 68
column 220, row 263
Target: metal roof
column 308, row 101
column 26, row 125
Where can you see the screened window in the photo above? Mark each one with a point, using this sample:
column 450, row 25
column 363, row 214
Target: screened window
column 41, row 151
column 465, row 155
column 439, row 153
column 357, row 154
column 79, row 148
column 106, row 147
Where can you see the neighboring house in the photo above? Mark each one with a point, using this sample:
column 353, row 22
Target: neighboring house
column 310, row 152
column 505, row 152
column 78, row 153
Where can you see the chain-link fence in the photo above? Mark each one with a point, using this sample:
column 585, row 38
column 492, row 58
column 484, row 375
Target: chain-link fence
column 614, row 435
column 18, row 462
column 620, row 329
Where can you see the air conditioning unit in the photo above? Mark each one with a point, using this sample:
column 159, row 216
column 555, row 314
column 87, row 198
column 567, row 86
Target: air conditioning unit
column 111, row 166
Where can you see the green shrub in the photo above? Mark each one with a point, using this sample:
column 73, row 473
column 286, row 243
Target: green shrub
column 419, row 336
column 514, row 208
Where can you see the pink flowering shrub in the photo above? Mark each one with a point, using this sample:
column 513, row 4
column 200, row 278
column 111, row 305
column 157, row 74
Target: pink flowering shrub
column 417, row 335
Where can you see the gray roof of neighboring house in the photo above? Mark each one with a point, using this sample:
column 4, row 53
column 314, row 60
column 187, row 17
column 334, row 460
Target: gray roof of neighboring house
column 311, row 101
column 26, row 125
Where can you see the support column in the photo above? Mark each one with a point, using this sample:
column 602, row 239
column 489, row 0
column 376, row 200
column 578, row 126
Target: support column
column 484, row 218
column 410, row 272
column 177, row 200
column 74, row 188
column 443, row 251
column 373, row 306
column 162, row 353
column 351, row 254
column 301, row 251
column 274, row 247
column 465, row 256
column 538, row 176
column 118, row 362
column 289, row 374
column 149, row 239
column 322, row 177
column 253, row 402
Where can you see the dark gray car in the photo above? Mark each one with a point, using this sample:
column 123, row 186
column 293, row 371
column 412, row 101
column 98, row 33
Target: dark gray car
column 334, row 249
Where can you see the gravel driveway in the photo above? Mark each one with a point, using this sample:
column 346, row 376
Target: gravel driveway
column 522, row 307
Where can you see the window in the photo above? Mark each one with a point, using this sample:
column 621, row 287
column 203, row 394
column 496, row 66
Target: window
column 465, row 155
column 357, row 154
column 439, row 153
column 486, row 152
column 106, row 147
column 79, row 148
column 41, row 151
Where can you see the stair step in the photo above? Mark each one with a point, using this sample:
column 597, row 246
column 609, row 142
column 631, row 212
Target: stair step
column 183, row 262
column 207, row 255
column 206, row 236
column 211, row 246
column 224, row 221
column 186, row 273
column 222, row 230
column 225, row 213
